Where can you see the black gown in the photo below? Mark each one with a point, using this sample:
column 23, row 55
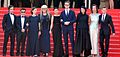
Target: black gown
column 32, row 40
column 57, row 37
column 82, row 34
column 44, row 40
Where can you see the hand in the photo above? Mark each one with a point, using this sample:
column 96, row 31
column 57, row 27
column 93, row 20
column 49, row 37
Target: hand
column 23, row 30
column 39, row 33
column 67, row 23
column 113, row 34
column 50, row 31
column 61, row 20
column 27, row 24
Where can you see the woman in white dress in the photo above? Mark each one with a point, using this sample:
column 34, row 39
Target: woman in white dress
column 94, row 18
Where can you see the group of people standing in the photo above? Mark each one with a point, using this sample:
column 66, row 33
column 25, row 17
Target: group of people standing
column 37, row 29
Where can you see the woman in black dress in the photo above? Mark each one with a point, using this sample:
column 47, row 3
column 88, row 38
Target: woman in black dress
column 57, row 35
column 32, row 40
column 45, row 23
column 82, row 44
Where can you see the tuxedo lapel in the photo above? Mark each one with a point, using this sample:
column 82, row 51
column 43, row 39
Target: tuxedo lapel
column 106, row 17
column 9, row 18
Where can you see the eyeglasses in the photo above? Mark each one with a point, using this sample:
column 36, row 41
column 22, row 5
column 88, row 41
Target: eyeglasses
column 22, row 12
column 66, row 4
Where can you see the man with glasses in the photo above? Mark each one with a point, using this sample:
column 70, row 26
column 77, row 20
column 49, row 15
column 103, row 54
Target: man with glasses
column 9, row 29
column 68, row 18
column 21, row 23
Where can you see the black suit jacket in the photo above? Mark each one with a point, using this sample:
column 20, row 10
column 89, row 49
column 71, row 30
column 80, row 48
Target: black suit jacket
column 7, row 23
column 18, row 23
column 106, row 24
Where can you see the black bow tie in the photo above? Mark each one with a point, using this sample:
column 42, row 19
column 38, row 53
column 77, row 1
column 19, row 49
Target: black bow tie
column 22, row 16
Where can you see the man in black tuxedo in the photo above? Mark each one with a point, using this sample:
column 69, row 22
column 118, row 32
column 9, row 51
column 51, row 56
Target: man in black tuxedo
column 9, row 29
column 21, row 32
column 106, row 24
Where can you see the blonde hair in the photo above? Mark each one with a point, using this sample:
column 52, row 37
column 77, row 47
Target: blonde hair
column 47, row 11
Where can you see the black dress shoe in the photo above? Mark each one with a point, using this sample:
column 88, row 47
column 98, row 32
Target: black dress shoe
column 11, row 54
column 4, row 54
column 17, row 54
column 22, row 53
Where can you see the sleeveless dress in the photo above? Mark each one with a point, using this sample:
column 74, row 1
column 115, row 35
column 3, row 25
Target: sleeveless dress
column 57, row 37
column 94, row 32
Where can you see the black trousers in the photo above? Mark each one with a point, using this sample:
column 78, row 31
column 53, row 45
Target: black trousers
column 12, row 40
column 57, row 2
column 49, row 3
column 2, row 3
column 38, row 3
column 67, row 33
column 105, row 37
column 79, row 3
column 117, row 4
column 26, row 3
column 71, row 3
column 21, row 38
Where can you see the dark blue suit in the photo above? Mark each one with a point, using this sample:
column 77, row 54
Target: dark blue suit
column 105, row 32
column 68, row 29
column 21, row 36
column 9, row 30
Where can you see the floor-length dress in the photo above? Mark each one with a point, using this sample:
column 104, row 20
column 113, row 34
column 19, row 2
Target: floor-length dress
column 94, row 32
column 83, row 42
column 32, row 40
column 57, row 37
column 44, row 40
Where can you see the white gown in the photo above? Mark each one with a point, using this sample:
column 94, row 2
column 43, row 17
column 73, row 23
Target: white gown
column 94, row 33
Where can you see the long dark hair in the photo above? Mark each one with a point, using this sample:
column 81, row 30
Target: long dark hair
column 96, row 8
column 83, row 8
column 33, row 9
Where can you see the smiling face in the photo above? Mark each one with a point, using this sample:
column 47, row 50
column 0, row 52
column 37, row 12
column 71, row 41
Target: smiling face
column 104, row 10
column 11, row 10
column 94, row 9
column 44, row 10
column 55, row 11
column 66, row 5
column 82, row 10
column 23, row 12
column 34, row 11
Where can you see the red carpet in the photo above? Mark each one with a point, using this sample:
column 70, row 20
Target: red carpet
column 114, row 49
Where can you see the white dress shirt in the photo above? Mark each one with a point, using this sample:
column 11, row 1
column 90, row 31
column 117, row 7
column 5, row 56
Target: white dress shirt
column 22, row 21
column 12, row 18
column 67, row 11
column 103, row 17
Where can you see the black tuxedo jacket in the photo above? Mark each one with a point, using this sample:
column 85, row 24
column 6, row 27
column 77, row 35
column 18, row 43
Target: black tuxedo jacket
column 19, row 25
column 7, row 23
column 106, row 25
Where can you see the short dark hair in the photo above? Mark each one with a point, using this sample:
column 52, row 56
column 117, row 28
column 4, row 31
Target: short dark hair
column 67, row 1
column 96, row 8
column 22, row 9
column 33, row 9
column 10, row 7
